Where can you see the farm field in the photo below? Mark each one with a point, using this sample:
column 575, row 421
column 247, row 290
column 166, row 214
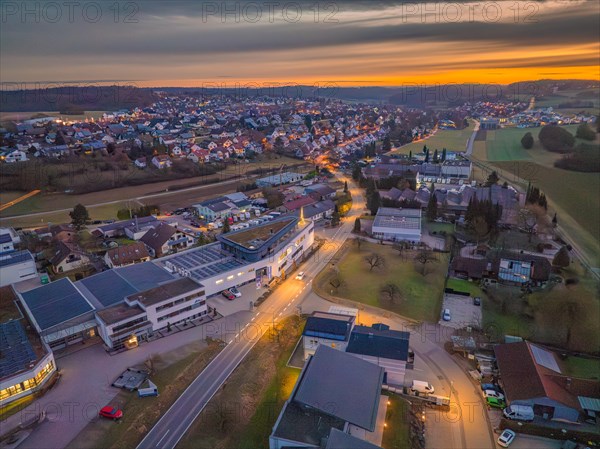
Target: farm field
column 27, row 115
column 452, row 140
column 505, row 145
column 566, row 96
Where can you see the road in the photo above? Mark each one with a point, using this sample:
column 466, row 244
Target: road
column 471, row 140
column 139, row 198
column 173, row 425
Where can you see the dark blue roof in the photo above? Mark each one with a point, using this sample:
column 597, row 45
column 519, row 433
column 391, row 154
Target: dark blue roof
column 108, row 287
column 331, row 326
column 16, row 352
column 379, row 342
column 15, row 257
column 5, row 238
column 144, row 276
column 55, row 303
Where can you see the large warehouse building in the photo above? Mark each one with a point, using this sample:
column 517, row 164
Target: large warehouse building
column 128, row 304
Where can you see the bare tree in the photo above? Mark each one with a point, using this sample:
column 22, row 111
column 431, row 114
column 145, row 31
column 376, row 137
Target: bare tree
column 425, row 257
column 390, row 292
column 400, row 247
column 528, row 221
column 375, row 261
column 359, row 241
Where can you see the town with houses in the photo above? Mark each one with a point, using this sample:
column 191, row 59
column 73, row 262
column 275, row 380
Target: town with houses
column 94, row 291
column 299, row 225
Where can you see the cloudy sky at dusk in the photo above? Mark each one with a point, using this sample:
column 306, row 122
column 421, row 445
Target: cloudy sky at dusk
column 187, row 43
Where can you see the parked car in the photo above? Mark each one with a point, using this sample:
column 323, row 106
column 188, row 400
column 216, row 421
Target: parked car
column 230, row 296
column 300, row 275
column 477, row 301
column 506, row 438
column 495, row 402
column 111, row 412
column 235, row 292
column 493, row 394
column 446, row 315
column 493, row 387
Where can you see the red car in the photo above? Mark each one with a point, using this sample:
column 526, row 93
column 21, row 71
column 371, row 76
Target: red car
column 230, row 296
column 111, row 412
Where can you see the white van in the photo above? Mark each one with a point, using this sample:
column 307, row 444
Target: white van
column 519, row 412
column 419, row 386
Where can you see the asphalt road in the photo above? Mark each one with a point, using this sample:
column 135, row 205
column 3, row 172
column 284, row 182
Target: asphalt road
column 173, row 425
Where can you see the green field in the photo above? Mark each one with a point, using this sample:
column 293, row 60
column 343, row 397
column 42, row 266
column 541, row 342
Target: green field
column 505, row 145
column 452, row 140
column 420, row 296
column 581, row 367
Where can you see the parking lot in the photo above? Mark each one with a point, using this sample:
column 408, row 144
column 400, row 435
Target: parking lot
column 226, row 307
column 462, row 311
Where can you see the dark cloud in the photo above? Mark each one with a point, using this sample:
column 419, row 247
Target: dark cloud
column 176, row 33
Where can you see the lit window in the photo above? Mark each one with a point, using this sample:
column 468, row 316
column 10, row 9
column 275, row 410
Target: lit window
column 230, row 277
column 220, row 281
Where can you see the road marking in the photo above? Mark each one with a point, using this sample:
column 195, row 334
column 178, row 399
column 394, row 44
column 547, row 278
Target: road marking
column 280, row 313
column 253, row 318
column 163, row 437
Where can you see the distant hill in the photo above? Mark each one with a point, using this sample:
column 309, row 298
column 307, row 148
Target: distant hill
column 74, row 99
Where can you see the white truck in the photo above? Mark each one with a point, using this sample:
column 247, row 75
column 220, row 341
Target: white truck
column 519, row 412
column 419, row 386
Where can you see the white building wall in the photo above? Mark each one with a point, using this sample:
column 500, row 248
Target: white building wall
column 18, row 272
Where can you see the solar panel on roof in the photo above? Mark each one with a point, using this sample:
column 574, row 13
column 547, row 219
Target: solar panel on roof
column 108, row 287
column 55, row 303
column 545, row 358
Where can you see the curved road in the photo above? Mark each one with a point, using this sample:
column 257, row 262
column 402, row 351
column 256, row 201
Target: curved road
column 465, row 427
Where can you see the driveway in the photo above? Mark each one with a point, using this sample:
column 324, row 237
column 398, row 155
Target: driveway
column 523, row 441
column 226, row 307
column 463, row 312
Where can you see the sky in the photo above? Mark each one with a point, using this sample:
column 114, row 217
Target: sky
column 155, row 43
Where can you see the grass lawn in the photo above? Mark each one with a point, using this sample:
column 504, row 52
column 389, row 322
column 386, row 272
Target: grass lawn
column 420, row 296
column 505, row 145
column 242, row 414
column 451, row 139
column 396, row 434
column 173, row 373
column 581, row 367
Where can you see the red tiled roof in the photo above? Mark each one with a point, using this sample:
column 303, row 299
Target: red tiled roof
column 523, row 378
column 297, row 204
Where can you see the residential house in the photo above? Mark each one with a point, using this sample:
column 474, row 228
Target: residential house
column 162, row 161
column 140, row 162
column 323, row 328
column 126, row 255
column 6, row 243
column 165, row 239
column 383, row 347
column 17, row 266
column 320, row 192
column 532, row 375
column 12, row 156
column 317, row 211
column 68, row 256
